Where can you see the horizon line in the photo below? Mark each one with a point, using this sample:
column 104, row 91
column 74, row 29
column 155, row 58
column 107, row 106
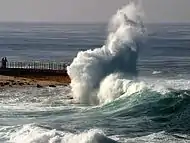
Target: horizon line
column 82, row 22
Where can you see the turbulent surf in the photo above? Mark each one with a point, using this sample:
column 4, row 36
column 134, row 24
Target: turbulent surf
column 103, row 74
column 133, row 89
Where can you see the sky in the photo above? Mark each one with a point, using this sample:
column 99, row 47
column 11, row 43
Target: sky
column 93, row 11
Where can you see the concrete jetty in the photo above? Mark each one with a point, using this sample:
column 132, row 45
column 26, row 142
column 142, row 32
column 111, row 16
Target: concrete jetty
column 34, row 68
column 34, row 73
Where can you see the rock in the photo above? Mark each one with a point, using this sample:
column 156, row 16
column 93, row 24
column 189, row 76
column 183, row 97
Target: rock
column 1, row 84
column 71, row 98
column 14, row 83
column 52, row 86
column 11, row 80
column 65, row 84
column 21, row 84
column 6, row 83
column 39, row 86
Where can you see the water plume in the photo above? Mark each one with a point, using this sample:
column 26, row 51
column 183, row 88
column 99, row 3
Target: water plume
column 94, row 72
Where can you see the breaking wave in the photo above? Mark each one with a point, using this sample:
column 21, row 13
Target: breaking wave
column 103, row 74
column 32, row 133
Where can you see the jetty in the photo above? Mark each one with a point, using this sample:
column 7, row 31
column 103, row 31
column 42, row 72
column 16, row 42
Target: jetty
column 34, row 68
column 34, row 73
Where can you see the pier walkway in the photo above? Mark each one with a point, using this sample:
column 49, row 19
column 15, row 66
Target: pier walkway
column 35, row 68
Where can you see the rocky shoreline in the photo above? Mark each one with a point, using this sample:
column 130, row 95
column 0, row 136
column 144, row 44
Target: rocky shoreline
column 38, row 81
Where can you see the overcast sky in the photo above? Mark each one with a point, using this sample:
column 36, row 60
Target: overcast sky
column 89, row 10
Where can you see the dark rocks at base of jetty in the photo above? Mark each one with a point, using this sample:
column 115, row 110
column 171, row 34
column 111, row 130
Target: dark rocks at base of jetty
column 52, row 85
column 69, row 97
column 7, row 83
column 12, row 83
column 1, row 84
column 39, row 86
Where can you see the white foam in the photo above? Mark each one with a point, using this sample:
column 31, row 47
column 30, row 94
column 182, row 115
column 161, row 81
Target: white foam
column 116, row 85
column 33, row 134
column 164, row 85
column 156, row 72
column 90, row 69
column 160, row 137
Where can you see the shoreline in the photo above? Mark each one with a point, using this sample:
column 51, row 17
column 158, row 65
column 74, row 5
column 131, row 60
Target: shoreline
column 33, row 81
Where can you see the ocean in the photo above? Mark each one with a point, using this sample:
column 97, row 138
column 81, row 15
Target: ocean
column 109, row 107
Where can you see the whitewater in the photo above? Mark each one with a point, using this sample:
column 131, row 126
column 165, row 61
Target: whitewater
column 133, row 89
column 100, row 75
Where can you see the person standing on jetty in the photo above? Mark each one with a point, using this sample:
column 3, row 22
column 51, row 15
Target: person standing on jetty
column 4, row 62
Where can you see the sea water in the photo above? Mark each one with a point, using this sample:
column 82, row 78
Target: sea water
column 113, row 101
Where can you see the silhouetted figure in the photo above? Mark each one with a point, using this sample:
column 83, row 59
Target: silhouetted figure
column 4, row 62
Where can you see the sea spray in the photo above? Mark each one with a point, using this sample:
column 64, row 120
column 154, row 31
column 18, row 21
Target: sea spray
column 31, row 133
column 94, row 72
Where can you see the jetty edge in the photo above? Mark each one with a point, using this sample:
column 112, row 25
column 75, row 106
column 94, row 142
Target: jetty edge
column 34, row 74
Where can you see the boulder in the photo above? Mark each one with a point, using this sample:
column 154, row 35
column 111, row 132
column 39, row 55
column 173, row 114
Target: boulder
column 6, row 83
column 52, row 86
column 1, row 84
column 21, row 84
column 39, row 86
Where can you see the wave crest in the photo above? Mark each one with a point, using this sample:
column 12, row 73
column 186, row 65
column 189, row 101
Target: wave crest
column 31, row 133
column 119, row 55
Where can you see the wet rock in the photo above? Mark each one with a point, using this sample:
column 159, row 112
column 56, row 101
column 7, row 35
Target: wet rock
column 52, row 86
column 21, row 84
column 14, row 83
column 1, row 84
column 65, row 84
column 71, row 98
column 6, row 83
column 39, row 86
column 11, row 80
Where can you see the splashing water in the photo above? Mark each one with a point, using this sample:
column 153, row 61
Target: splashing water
column 103, row 74
column 33, row 134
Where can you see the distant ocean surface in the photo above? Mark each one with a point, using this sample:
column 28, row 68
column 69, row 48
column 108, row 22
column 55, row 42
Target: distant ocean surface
column 31, row 115
column 48, row 42
column 166, row 47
